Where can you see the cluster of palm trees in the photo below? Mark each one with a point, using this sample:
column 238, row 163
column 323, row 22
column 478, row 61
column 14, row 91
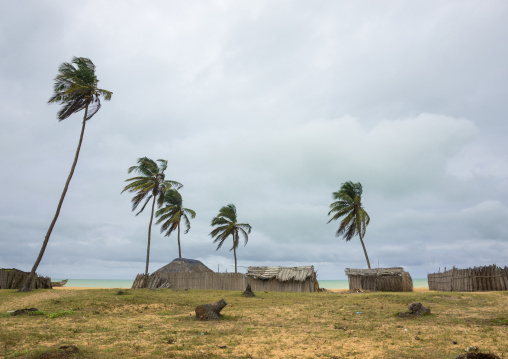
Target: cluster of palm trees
column 151, row 184
column 76, row 88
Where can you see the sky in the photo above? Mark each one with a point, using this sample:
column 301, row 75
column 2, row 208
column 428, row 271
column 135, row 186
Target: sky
column 271, row 106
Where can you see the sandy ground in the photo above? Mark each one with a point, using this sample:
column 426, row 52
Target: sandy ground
column 416, row 289
column 81, row 288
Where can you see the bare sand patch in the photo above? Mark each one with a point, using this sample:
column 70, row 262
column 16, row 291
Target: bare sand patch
column 78, row 288
column 416, row 289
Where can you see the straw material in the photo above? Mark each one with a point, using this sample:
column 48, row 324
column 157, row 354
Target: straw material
column 380, row 279
column 14, row 279
column 276, row 279
column 282, row 274
column 477, row 279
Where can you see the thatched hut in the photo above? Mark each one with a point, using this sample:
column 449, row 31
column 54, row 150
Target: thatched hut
column 283, row 279
column 164, row 277
column 380, row 279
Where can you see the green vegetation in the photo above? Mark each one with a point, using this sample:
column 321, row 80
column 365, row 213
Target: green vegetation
column 75, row 89
column 172, row 214
column 226, row 225
column 161, row 323
column 348, row 204
column 150, row 184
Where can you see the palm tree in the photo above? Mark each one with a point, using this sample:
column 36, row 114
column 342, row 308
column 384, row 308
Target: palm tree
column 348, row 204
column 151, row 184
column 173, row 214
column 75, row 89
column 226, row 225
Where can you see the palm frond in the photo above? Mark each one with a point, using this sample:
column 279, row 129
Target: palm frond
column 226, row 225
column 189, row 212
column 75, row 88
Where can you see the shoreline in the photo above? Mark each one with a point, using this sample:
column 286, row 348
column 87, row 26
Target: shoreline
column 415, row 289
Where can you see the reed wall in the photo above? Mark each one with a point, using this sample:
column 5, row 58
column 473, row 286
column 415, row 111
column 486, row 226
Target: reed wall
column 14, row 279
column 220, row 281
column 401, row 282
column 477, row 279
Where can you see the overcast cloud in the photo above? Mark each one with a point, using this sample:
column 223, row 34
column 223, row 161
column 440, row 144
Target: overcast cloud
column 269, row 105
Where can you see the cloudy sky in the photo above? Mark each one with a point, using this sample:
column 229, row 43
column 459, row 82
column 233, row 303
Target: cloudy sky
column 269, row 105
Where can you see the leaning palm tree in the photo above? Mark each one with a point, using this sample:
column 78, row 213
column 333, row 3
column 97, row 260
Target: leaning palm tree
column 348, row 204
column 225, row 225
column 75, row 89
column 173, row 214
column 151, row 184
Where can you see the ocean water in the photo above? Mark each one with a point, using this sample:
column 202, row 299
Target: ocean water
column 127, row 283
column 98, row 283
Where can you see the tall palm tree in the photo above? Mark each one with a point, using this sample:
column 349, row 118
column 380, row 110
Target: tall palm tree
column 151, row 184
column 173, row 214
column 348, row 204
column 75, row 89
column 225, row 225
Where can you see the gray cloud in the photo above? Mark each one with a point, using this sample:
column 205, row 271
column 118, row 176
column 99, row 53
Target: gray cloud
column 270, row 106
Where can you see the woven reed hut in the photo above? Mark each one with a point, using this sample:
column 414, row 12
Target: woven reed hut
column 283, row 279
column 14, row 279
column 161, row 277
column 380, row 279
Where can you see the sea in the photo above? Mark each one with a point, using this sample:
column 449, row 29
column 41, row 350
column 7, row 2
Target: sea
column 127, row 283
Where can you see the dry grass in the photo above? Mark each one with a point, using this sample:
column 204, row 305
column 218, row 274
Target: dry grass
column 161, row 324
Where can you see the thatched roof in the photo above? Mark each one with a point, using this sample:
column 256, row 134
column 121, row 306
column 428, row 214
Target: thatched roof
column 283, row 274
column 183, row 265
column 375, row 271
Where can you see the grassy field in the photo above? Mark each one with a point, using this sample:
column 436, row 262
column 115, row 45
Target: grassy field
column 161, row 324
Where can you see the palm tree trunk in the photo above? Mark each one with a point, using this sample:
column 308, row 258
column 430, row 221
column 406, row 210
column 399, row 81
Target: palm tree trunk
column 364, row 250
column 179, row 249
column 149, row 235
column 234, row 251
column 28, row 282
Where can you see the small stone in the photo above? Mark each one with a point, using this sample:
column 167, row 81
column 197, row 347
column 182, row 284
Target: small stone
column 455, row 342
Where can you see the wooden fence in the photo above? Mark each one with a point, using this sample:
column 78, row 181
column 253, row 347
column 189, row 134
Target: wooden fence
column 14, row 279
column 477, row 279
column 186, row 280
column 218, row 281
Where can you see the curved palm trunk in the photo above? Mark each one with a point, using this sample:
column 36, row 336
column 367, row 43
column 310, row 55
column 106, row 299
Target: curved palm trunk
column 149, row 235
column 364, row 250
column 179, row 248
column 28, row 281
column 234, row 251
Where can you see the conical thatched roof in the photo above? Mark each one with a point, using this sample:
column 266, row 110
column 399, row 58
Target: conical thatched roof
column 183, row 265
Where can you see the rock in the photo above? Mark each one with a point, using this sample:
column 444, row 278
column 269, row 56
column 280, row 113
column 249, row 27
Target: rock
column 210, row 311
column 24, row 311
column 248, row 292
column 477, row 356
column 415, row 310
